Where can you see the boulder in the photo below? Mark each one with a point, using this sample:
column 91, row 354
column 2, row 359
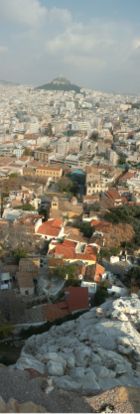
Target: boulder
column 67, row 383
column 28, row 361
column 55, row 357
column 83, row 355
column 55, row 368
column 69, row 357
column 105, row 373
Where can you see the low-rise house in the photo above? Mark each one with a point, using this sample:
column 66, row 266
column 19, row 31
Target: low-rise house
column 91, row 286
column 65, row 208
column 72, row 251
column 99, row 275
column 76, row 300
column 112, row 198
column 51, row 229
column 27, row 275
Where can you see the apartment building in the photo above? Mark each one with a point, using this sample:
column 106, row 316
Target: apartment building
column 54, row 172
column 41, row 156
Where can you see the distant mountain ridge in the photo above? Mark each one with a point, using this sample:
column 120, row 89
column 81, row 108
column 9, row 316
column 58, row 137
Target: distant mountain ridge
column 5, row 82
column 60, row 84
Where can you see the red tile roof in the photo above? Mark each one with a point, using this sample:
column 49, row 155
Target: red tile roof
column 127, row 176
column 113, row 194
column 54, row 311
column 67, row 251
column 77, row 298
column 99, row 271
column 50, row 227
column 95, row 223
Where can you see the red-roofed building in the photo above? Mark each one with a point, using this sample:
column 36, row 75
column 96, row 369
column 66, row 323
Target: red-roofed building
column 54, row 311
column 113, row 198
column 72, row 251
column 99, row 273
column 77, row 298
column 51, row 229
column 126, row 176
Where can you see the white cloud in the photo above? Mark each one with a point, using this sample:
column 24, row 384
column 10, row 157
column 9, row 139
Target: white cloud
column 97, row 43
column 57, row 14
column 136, row 43
column 31, row 12
column 43, row 42
column 85, row 62
column 3, row 49
column 28, row 12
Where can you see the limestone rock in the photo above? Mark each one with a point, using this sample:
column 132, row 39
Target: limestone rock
column 100, row 349
column 83, row 355
column 55, row 368
column 67, row 383
column 53, row 356
column 29, row 361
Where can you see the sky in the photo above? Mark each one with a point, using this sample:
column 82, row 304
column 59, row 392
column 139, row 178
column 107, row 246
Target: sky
column 93, row 43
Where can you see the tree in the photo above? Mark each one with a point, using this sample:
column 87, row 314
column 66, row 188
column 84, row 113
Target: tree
column 107, row 253
column 28, row 207
column 49, row 130
column 85, row 228
column 18, row 254
column 65, row 184
column 69, row 270
column 12, row 307
column 129, row 215
column 100, row 296
column 132, row 278
column 28, row 152
column 44, row 211
column 122, row 159
column 14, row 175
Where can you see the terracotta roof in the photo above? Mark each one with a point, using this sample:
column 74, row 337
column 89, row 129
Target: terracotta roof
column 54, row 311
column 67, row 251
column 103, row 226
column 95, row 223
column 99, row 271
column 77, row 298
column 113, row 193
column 127, row 175
column 49, row 168
column 50, row 227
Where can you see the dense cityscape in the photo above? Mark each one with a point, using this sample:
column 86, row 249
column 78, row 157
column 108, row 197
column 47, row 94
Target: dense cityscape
column 69, row 207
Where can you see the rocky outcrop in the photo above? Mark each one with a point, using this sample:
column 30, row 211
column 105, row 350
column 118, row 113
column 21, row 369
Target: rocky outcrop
column 117, row 400
column 13, row 406
column 98, row 351
column 120, row 399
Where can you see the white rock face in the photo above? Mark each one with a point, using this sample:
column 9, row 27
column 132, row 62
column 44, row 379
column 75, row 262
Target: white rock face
column 99, row 350
column 55, row 368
